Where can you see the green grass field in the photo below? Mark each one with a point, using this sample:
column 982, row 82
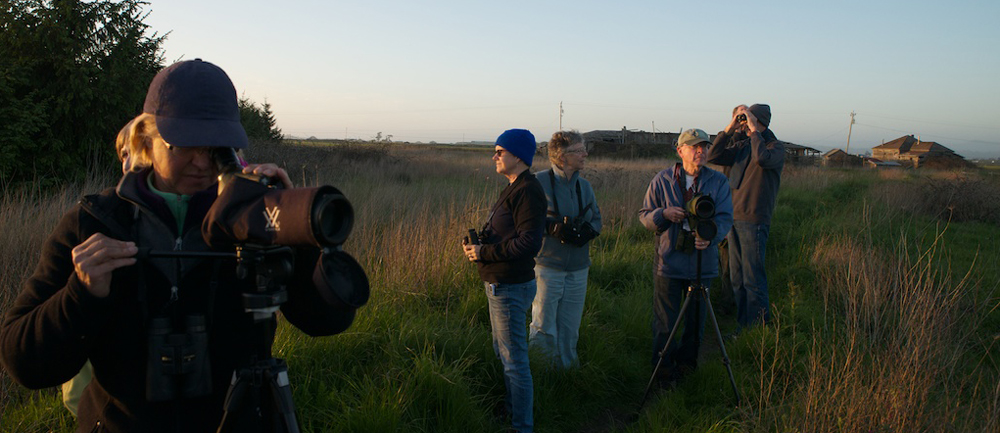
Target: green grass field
column 885, row 312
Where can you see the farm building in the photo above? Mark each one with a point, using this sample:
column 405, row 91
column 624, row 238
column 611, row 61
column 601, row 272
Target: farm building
column 800, row 155
column 839, row 158
column 909, row 151
column 879, row 164
column 631, row 143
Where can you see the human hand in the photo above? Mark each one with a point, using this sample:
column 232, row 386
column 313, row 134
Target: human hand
column 752, row 123
column 673, row 213
column 734, row 125
column 472, row 251
column 269, row 170
column 97, row 257
column 701, row 244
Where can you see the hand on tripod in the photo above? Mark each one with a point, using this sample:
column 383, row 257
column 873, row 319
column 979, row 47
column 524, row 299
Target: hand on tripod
column 701, row 244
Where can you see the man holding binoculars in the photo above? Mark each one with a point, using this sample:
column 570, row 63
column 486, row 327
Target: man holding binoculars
column 753, row 159
column 689, row 207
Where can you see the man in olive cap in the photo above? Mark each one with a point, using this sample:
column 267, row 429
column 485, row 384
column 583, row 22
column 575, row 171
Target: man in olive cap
column 753, row 162
column 678, row 247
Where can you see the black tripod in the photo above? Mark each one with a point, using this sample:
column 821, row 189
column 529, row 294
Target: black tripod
column 260, row 396
column 696, row 289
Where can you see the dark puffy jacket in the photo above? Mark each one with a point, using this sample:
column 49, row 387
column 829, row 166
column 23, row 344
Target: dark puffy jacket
column 55, row 325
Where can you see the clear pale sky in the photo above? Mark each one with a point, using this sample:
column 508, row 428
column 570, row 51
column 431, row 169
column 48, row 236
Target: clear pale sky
column 452, row 71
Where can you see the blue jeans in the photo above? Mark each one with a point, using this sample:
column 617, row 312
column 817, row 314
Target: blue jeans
column 509, row 305
column 747, row 242
column 556, row 314
column 668, row 296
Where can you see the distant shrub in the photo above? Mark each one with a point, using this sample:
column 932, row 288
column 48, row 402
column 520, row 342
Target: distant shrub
column 958, row 197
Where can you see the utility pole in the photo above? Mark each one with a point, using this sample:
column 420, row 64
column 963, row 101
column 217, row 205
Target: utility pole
column 849, row 127
column 560, row 115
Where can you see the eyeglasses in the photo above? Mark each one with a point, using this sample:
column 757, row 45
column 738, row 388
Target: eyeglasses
column 188, row 152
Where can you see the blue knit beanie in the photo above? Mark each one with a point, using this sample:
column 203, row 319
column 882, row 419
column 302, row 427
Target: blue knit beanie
column 520, row 142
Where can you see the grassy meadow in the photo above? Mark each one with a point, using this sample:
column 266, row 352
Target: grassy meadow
column 885, row 289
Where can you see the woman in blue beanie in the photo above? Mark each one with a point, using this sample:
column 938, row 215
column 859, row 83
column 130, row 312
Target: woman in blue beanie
column 509, row 241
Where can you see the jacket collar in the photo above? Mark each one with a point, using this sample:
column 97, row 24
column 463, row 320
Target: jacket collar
column 562, row 174
column 133, row 188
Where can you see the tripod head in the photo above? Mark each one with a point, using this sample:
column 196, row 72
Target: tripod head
column 272, row 267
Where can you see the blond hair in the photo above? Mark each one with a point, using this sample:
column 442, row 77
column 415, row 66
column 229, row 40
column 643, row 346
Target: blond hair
column 134, row 143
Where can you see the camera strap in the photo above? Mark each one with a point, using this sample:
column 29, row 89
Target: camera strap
column 555, row 199
column 680, row 176
column 503, row 196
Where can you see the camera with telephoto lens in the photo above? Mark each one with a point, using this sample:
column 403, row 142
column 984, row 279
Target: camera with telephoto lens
column 698, row 212
column 573, row 231
column 177, row 362
column 255, row 210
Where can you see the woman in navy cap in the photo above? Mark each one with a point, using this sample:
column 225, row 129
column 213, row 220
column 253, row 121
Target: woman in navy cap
column 509, row 241
column 92, row 297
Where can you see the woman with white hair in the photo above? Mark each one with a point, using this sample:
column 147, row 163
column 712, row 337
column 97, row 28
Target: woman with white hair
column 572, row 220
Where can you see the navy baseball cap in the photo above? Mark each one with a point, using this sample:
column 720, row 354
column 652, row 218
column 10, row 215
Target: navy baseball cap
column 195, row 105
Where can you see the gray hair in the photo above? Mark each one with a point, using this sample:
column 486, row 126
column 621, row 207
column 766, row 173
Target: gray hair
column 558, row 144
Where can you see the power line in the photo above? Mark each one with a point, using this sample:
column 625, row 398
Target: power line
column 934, row 122
column 942, row 137
column 423, row 110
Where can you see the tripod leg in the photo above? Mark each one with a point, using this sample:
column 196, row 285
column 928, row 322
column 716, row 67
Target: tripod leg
column 722, row 347
column 281, row 398
column 666, row 346
column 234, row 399
column 250, row 407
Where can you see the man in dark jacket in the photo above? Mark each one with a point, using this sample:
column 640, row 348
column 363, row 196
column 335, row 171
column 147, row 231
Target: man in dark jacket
column 510, row 240
column 93, row 296
column 754, row 167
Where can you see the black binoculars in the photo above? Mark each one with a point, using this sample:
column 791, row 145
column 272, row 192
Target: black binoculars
column 178, row 364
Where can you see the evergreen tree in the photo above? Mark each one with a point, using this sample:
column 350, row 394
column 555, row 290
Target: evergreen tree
column 259, row 122
column 72, row 74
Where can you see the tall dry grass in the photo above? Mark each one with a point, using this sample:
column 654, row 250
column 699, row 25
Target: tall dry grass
column 887, row 343
column 951, row 196
column 891, row 352
column 27, row 216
